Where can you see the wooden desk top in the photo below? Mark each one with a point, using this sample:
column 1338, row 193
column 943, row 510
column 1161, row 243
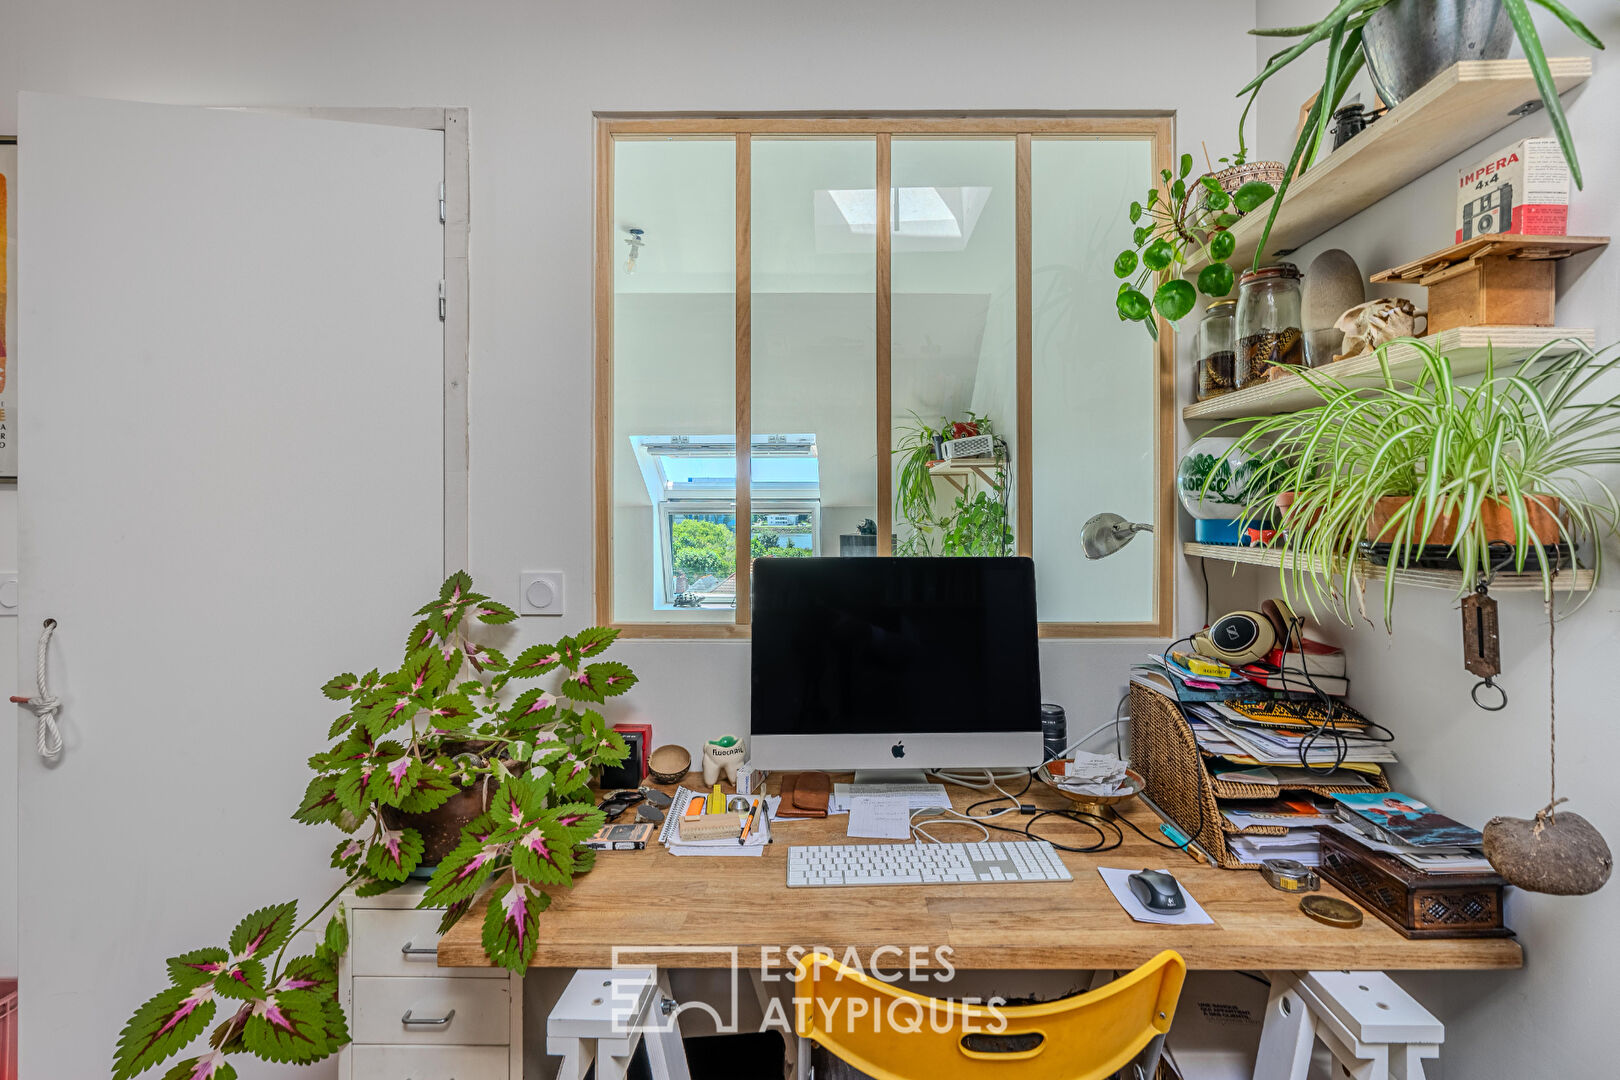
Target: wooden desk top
column 655, row 899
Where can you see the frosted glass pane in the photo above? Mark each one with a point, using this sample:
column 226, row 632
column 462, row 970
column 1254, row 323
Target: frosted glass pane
column 814, row 245
column 1092, row 383
column 674, row 378
column 955, row 335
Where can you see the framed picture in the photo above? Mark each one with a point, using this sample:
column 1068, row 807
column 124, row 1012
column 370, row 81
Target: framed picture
column 8, row 318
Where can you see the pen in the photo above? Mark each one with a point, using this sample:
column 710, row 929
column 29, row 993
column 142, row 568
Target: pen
column 748, row 826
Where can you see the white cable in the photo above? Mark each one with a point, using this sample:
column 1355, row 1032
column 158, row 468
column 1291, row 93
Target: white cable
column 1067, row 750
column 978, row 779
column 944, row 816
column 43, row 704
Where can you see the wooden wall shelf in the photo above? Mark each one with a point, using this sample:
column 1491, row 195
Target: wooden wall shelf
column 1465, row 346
column 1509, row 245
column 1467, row 102
column 1423, row 579
column 955, row 470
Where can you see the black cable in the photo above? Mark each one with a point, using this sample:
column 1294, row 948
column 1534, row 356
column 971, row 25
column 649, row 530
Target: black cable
column 1203, row 568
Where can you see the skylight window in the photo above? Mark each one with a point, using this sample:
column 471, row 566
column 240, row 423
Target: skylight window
column 946, row 214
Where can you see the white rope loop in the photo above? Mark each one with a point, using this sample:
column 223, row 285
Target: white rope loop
column 44, row 705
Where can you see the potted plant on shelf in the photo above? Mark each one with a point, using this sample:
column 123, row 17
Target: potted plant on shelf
column 1404, row 44
column 975, row 525
column 1431, row 466
column 1184, row 220
column 438, row 761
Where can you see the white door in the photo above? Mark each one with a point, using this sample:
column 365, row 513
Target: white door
column 230, row 490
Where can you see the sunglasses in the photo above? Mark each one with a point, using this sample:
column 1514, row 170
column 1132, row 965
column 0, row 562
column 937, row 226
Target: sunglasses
column 620, row 801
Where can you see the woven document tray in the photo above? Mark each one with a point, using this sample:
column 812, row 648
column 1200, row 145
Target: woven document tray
column 1178, row 780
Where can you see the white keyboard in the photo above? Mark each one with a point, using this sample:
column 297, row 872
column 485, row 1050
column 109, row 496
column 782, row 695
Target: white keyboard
column 923, row 864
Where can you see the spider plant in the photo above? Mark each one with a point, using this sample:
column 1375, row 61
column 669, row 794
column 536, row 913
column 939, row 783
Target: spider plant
column 1526, row 440
column 1342, row 27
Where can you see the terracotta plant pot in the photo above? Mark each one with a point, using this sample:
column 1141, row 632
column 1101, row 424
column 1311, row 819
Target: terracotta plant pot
column 1283, row 502
column 441, row 827
column 1541, row 513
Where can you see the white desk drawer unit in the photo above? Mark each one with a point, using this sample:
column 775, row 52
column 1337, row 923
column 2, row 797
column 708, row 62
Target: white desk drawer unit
column 403, row 941
column 413, row 1020
column 430, row 1063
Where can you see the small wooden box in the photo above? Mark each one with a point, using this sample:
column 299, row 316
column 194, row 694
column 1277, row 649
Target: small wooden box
column 1496, row 280
column 1416, row 904
column 1492, row 290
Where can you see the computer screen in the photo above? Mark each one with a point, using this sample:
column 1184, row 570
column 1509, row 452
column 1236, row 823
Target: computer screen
column 894, row 661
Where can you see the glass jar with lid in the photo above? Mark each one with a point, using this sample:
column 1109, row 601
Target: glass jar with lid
column 1216, row 355
column 1268, row 330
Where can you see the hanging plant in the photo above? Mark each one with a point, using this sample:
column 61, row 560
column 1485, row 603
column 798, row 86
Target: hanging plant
column 1178, row 222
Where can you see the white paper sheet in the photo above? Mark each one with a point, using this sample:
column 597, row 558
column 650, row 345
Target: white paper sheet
column 880, row 817
column 1119, row 883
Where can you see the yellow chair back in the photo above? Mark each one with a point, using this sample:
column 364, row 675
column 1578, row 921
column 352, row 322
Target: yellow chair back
column 893, row 1034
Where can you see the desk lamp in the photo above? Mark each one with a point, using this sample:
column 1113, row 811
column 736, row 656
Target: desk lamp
column 1107, row 533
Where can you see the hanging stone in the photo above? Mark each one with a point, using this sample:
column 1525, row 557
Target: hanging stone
column 1561, row 854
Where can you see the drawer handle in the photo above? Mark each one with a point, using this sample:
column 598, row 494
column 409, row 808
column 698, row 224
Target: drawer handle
column 410, row 949
column 427, row 1021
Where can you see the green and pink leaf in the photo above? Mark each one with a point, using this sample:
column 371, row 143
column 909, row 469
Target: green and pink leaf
column 512, row 924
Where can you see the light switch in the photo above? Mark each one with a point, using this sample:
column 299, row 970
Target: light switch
column 540, row 593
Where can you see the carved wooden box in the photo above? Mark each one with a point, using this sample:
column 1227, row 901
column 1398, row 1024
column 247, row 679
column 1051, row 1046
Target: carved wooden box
column 1416, row 904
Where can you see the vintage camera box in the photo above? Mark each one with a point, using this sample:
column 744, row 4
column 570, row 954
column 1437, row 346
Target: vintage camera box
column 1522, row 189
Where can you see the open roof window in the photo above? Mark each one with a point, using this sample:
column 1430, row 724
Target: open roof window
column 705, row 466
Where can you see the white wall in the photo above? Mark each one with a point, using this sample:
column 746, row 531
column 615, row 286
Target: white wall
column 1549, row 1019
column 532, row 73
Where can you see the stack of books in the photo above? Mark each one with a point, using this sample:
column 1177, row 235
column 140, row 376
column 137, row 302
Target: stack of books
column 1300, row 815
column 1308, row 666
column 1411, row 831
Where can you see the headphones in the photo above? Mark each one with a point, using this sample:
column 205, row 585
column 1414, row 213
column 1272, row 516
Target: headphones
column 1242, row 637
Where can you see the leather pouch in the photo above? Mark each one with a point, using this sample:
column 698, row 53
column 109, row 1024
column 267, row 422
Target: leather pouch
column 805, row 795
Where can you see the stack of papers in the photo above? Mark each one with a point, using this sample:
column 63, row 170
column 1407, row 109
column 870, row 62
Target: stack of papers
column 1411, row 831
column 917, row 796
column 1223, row 731
column 1301, row 845
column 1300, row 816
column 759, row 835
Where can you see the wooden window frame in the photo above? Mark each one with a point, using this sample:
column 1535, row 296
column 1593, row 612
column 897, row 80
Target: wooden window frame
column 1155, row 127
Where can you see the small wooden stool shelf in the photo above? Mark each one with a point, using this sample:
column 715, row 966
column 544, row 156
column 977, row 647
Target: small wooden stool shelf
column 1564, row 581
column 1501, row 278
column 956, row 470
column 1465, row 346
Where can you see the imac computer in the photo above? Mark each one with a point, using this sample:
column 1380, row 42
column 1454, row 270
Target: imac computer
column 894, row 664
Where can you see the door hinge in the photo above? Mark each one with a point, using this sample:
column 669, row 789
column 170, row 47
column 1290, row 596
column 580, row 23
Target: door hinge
column 441, row 300
column 441, row 202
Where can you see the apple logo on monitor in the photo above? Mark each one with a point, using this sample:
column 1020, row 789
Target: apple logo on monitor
column 898, row 749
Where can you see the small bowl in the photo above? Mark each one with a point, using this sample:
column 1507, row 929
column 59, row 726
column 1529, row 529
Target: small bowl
column 669, row 764
column 1101, row 805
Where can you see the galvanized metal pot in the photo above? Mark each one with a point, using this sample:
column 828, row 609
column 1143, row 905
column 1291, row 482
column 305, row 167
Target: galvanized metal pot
column 1409, row 42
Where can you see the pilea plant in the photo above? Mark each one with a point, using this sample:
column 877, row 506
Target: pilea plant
column 1175, row 224
column 447, row 722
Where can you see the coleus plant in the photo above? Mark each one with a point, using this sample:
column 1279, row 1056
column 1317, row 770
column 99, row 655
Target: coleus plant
column 451, row 718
